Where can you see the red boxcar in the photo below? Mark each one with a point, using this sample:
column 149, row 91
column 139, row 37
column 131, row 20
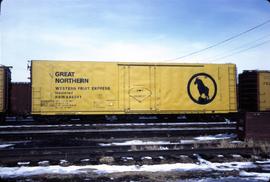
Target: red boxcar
column 20, row 99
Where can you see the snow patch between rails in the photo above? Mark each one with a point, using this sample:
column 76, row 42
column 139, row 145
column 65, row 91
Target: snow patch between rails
column 226, row 166
column 136, row 142
column 5, row 145
column 202, row 165
column 215, row 137
column 258, row 176
column 187, row 141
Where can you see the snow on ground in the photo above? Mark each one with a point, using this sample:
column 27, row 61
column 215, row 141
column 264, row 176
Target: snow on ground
column 226, row 166
column 5, row 145
column 223, row 179
column 263, row 162
column 136, row 142
column 184, row 141
column 127, row 158
column 215, row 137
column 202, row 165
column 100, row 169
column 147, row 158
column 259, row 176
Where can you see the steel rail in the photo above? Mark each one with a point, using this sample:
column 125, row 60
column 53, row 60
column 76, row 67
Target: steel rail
column 115, row 133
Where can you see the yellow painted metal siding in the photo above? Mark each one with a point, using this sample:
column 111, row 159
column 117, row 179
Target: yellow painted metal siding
column 2, row 89
column 174, row 83
column 94, row 88
column 264, row 91
column 61, row 87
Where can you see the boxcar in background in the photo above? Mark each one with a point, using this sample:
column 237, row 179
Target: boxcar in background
column 20, row 99
column 86, row 88
column 5, row 79
column 254, row 91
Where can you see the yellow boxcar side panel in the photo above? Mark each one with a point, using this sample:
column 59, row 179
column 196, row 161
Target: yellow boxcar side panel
column 2, row 85
column 74, row 87
column 139, row 88
column 61, row 87
column 196, row 88
column 264, row 91
column 233, row 105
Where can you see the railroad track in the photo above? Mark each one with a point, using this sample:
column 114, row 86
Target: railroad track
column 118, row 125
column 119, row 130
column 115, row 133
column 75, row 142
column 75, row 154
column 123, row 144
column 151, row 119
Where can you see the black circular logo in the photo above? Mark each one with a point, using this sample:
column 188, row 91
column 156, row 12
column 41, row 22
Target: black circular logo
column 202, row 88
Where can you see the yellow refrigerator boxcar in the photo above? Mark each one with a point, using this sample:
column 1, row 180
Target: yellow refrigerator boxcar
column 2, row 89
column 5, row 79
column 264, row 91
column 254, row 90
column 85, row 88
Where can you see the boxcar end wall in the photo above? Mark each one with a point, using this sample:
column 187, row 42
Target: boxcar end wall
column 254, row 91
column 5, row 79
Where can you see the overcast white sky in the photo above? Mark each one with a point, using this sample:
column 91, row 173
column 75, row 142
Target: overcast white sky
column 132, row 30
